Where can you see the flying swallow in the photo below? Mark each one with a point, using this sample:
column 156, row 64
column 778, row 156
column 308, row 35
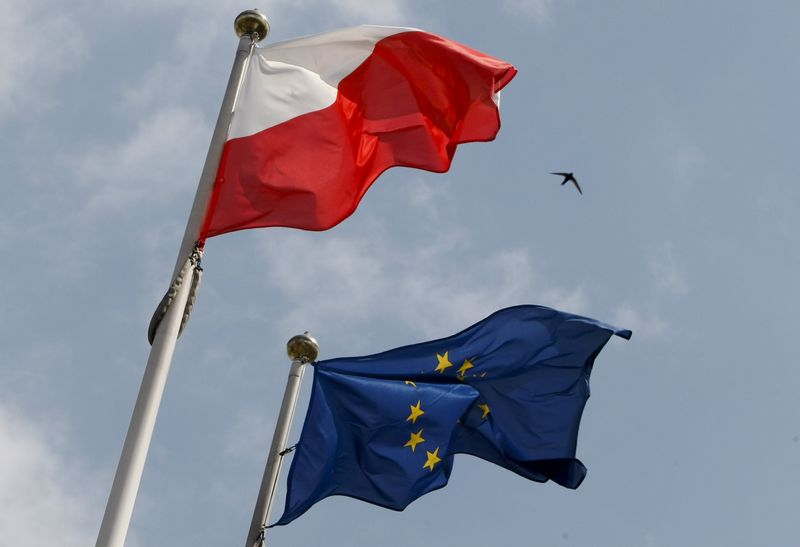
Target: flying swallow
column 569, row 177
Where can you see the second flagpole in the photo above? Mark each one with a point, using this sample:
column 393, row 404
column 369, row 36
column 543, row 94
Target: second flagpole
column 251, row 27
column 302, row 349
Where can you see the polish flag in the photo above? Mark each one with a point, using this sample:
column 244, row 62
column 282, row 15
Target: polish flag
column 318, row 119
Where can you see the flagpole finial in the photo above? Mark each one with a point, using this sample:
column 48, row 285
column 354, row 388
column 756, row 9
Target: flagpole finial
column 302, row 347
column 251, row 23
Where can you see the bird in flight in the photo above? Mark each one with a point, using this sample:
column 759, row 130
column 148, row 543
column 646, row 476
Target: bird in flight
column 569, row 177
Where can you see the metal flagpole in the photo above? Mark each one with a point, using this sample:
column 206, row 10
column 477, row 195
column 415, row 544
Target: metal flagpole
column 251, row 26
column 302, row 349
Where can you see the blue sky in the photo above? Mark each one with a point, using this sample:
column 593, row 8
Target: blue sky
column 679, row 120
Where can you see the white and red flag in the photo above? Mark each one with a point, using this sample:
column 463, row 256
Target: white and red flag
column 318, row 119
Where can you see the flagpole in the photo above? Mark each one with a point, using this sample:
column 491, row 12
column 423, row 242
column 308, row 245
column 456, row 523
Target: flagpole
column 301, row 349
column 251, row 26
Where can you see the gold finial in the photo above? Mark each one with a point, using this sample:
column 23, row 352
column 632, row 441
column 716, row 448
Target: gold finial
column 251, row 23
column 302, row 347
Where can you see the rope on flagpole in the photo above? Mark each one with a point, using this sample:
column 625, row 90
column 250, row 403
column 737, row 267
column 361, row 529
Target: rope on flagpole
column 190, row 267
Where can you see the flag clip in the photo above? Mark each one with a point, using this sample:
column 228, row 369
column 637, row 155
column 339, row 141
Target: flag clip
column 197, row 256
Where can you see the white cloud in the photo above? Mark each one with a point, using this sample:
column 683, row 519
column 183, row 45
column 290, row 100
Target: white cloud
column 650, row 541
column 668, row 269
column 166, row 82
column 276, row 11
column 30, row 62
column 669, row 281
column 688, row 161
column 45, row 500
column 241, row 444
column 428, row 198
column 34, row 361
column 8, row 230
column 776, row 213
column 385, row 12
column 158, row 161
column 538, row 10
column 684, row 159
column 426, row 289
column 379, row 12
column 183, row 67
column 645, row 325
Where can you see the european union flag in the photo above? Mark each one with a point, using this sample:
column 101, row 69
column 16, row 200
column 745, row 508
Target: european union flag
column 510, row 389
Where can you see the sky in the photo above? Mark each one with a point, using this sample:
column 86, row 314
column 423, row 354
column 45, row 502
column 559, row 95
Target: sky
column 678, row 118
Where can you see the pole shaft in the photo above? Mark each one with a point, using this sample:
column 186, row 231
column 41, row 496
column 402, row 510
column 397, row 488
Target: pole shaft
column 266, row 493
column 134, row 452
column 122, row 497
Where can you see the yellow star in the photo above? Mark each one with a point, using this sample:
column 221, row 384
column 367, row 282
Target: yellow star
column 486, row 410
column 433, row 459
column 444, row 362
column 415, row 439
column 464, row 368
column 410, row 383
column 416, row 412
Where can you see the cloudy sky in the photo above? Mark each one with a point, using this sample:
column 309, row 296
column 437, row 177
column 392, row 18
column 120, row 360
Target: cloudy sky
column 679, row 119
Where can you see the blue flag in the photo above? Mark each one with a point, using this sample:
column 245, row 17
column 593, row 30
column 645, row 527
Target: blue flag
column 510, row 389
